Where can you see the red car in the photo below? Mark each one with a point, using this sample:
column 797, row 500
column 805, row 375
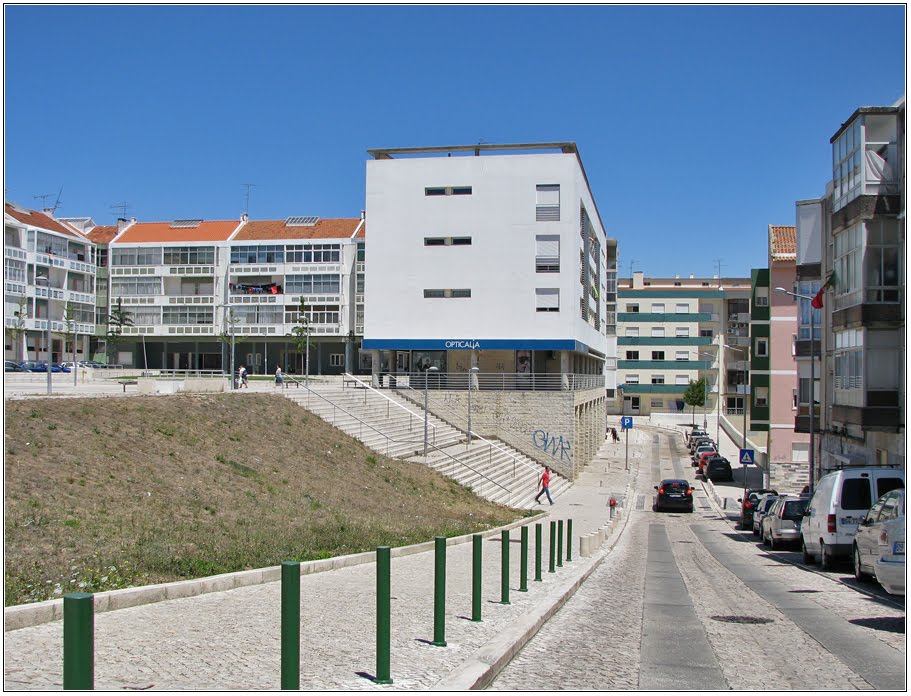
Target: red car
column 703, row 458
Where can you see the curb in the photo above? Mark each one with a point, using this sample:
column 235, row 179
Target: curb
column 26, row 615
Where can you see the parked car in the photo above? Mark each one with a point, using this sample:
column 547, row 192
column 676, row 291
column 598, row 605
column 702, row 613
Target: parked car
column 36, row 366
column 716, row 468
column 694, row 434
column 781, row 525
column 699, row 451
column 889, row 567
column 703, row 458
column 748, row 504
column 761, row 510
column 68, row 366
column 10, row 366
column 674, row 494
column 841, row 500
column 60, row 367
column 889, row 507
column 700, row 441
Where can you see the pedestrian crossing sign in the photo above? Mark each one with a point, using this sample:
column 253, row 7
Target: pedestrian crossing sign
column 746, row 456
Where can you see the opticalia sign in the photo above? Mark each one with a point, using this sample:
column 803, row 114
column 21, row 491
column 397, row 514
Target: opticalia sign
column 465, row 345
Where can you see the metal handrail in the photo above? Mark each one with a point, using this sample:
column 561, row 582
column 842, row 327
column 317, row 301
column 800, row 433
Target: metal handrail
column 470, row 468
column 492, row 445
column 495, row 381
column 368, row 388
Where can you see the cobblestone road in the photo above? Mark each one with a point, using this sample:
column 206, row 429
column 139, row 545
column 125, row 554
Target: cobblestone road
column 595, row 642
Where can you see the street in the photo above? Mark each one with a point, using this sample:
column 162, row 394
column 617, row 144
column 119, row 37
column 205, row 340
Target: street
column 687, row 601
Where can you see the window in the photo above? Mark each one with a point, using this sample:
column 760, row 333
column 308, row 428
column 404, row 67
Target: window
column 657, row 379
column 633, row 308
column 448, row 293
column 189, row 256
column 336, row 360
column 447, row 241
column 882, row 261
column 800, row 452
column 683, row 308
column 658, row 308
column 315, row 284
column 186, row 315
column 657, row 355
column 761, row 396
column 448, row 191
column 316, row 314
column 547, row 299
column 681, row 380
column 657, row 332
column 706, row 333
column 848, row 254
column 141, row 285
column 855, row 494
column 762, row 347
column 632, row 355
column 657, row 403
column 632, row 379
column 136, row 256
column 762, row 297
column 632, row 330
column 682, row 331
column 261, row 253
column 849, row 359
column 682, row 355
column 547, row 253
column 308, row 253
column 547, row 208
column 805, row 313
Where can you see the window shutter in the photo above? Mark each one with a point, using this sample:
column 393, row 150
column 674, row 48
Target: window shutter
column 548, row 202
column 547, row 299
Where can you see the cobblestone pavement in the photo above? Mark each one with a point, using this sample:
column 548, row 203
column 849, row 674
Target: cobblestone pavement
column 594, row 641
column 230, row 640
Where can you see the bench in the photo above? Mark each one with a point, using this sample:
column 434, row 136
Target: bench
column 352, row 382
column 125, row 382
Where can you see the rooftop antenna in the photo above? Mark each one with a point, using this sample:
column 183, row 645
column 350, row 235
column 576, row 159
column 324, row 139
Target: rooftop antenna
column 477, row 150
column 247, row 198
column 718, row 264
column 43, row 197
column 122, row 207
column 632, row 262
column 57, row 202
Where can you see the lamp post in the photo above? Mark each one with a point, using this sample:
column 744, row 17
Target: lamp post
column 812, row 381
column 471, row 373
column 426, row 382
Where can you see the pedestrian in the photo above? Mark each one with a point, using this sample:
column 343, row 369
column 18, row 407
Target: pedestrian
column 544, row 482
column 278, row 377
column 242, row 373
column 614, row 433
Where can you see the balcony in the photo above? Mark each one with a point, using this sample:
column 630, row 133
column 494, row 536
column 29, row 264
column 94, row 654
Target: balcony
column 49, row 293
column 654, row 388
column 739, row 365
column 740, row 318
column 13, row 288
column 736, row 388
column 15, row 253
column 188, row 299
column 81, row 297
column 738, row 341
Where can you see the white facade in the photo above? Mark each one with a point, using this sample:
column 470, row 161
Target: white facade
column 524, row 262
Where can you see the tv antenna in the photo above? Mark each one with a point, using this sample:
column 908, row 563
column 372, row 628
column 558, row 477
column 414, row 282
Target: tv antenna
column 247, row 198
column 718, row 265
column 632, row 262
column 122, row 207
column 43, row 197
column 57, row 202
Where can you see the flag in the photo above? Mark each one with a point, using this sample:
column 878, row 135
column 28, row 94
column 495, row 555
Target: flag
column 816, row 302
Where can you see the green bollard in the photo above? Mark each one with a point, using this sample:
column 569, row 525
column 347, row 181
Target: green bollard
column 78, row 641
column 560, row 544
column 476, row 578
column 439, row 592
column 504, row 575
column 383, row 601
column 537, row 552
column 523, row 563
column 569, row 540
column 291, row 625
column 553, row 547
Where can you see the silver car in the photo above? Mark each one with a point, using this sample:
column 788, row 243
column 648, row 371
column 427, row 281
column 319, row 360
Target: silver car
column 782, row 523
column 889, row 510
column 762, row 508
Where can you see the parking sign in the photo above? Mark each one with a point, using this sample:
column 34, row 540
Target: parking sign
column 626, row 422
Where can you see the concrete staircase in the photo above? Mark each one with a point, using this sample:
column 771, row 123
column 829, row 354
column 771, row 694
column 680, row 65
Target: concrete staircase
column 393, row 426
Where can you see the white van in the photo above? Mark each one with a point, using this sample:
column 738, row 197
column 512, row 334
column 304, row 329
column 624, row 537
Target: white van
column 840, row 501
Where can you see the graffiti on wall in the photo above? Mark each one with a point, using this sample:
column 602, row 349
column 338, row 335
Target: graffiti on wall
column 555, row 445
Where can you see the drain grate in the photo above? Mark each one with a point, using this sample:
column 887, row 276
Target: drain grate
column 742, row 619
column 803, row 591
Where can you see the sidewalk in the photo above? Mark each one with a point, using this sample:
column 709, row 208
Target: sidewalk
column 231, row 640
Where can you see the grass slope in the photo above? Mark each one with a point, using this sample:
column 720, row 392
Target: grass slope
column 109, row 493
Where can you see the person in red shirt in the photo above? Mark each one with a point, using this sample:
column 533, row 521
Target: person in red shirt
column 545, row 486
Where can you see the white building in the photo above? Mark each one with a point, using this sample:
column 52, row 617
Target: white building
column 495, row 257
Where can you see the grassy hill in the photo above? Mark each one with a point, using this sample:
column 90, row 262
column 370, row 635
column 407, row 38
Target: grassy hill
column 109, row 493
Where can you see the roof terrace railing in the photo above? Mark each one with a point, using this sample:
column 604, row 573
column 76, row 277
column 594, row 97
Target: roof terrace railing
column 492, row 381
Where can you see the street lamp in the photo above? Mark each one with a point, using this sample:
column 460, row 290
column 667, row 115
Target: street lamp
column 812, row 381
column 471, row 373
column 426, row 381
column 717, row 397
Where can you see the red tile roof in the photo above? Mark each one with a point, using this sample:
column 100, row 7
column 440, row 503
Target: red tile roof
column 206, row 231
column 782, row 242
column 261, row 230
column 102, row 234
column 35, row 219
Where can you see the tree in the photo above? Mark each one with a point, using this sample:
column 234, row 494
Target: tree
column 301, row 334
column 117, row 320
column 695, row 395
column 18, row 330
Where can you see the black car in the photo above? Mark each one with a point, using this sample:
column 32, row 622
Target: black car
column 748, row 504
column 717, row 469
column 674, row 494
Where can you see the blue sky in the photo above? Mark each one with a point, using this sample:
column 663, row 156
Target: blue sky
column 698, row 126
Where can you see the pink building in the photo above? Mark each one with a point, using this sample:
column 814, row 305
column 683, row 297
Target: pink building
column 788, row 451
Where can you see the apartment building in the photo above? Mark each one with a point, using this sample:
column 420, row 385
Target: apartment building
column 773, row 366
column 49, row 286
column 495, row 257
column 675, row 330
column 864, row 377
column 193, row 288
